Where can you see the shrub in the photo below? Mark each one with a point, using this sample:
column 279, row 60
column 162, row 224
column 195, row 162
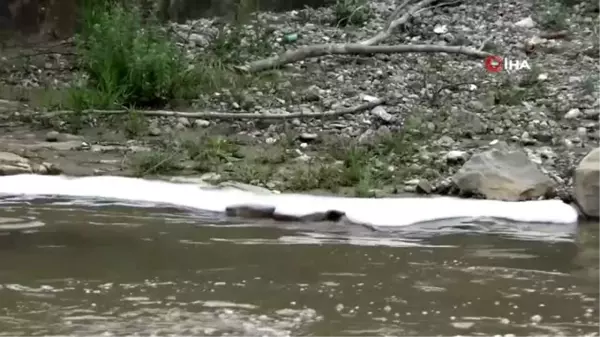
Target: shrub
column 128, row 60
column 351, row 12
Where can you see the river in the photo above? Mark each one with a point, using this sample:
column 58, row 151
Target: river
column 94, row 269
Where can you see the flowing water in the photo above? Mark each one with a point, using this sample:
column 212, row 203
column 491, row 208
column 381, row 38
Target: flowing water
column 72, row 268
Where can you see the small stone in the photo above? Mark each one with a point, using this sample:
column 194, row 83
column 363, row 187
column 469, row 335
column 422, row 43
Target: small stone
column 369, row 98
column 573, row 114
column 52, row 136
column 445, row 141
column 440, row 29
column 380, row 112
column 40, row 169
column 307, row 137
column 154, row 131
column 184, row 121
column 410, row 189
column 210, row 176
column 456, row 156
column 412, row 182
column 526, row 23
column 202, row 123
column 424, row 186
column 591, row 113
column 536, row 318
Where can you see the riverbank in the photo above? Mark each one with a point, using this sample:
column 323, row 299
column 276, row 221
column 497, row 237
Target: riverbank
column 439, row 112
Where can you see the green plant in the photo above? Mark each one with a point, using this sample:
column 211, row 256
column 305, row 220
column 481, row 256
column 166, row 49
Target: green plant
column 553, row 15
column 351, row 12
column 127, row 60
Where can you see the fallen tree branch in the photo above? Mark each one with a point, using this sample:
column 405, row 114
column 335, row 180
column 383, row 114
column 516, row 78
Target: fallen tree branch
column 226, row 115
column 354, row 49
column 393, row 22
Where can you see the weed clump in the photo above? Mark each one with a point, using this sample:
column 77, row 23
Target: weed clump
column 126, row 59
column 351, row 12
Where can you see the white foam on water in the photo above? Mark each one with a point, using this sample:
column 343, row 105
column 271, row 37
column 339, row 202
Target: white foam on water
column 376, row 212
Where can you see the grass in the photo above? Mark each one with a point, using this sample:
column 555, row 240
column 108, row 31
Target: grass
column 351, row 12
column 125, row 60
column 331, row 165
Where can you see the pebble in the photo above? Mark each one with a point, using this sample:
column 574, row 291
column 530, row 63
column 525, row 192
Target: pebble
column 383, row 115
column 573, row 114
column 456, row 156
column 307, row 137
column 52, row 136
column 201, row 123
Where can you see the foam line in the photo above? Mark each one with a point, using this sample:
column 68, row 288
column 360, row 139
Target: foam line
column 375, row 212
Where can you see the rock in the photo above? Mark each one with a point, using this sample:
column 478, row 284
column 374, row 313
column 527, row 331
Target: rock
column 198, row 40
column 8, row 106
column 59, row 146
column 591, row 114
column 526, row 23
column 586, row 183
column 440, row 29
column 503, row 174
column 211, row 177
column 154, row 131
column 573, row 114
column 380, row 112
column 52, row 136
column 184, row 121
column 445, row 141
column 11, row 163
column 307, row 137
column 424, row 186
column 456, row 156
column 201, row 123
column 369, row 98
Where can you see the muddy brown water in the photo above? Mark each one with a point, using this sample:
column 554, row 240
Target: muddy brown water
column 115, row 270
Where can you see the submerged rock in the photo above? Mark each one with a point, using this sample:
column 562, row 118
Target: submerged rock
column 503, row 174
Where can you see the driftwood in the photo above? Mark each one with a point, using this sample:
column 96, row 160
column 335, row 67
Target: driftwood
column 226, row 115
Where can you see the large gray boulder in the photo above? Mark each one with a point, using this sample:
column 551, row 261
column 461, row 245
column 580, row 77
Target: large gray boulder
column 586, row 183
column 503, row 174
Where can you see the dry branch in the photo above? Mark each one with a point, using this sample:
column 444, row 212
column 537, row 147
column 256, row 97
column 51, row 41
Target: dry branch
column 364, row 47
column 394, row 22
column 226, row 115
column 355, row 49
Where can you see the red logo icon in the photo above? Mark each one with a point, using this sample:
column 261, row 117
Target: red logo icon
column 493, row 64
